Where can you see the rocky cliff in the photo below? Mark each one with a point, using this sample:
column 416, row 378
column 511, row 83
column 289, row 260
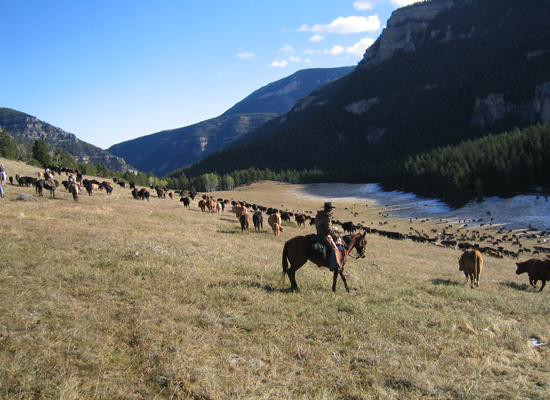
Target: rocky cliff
column 405, row 30
column 494, row 108
column 29, row 128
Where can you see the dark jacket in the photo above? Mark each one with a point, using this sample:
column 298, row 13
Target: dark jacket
column 323, row 223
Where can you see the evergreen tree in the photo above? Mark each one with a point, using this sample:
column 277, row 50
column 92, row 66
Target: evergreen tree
column 40, row 152
column 8, row 146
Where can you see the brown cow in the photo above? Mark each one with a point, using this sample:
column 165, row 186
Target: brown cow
column 202, row 205
column 538, row 269
column 211, row 204
column 274, row 219
column 471, row 263
column 239, row 210
column 300, row 220
column 277, row 228
column 245, row 223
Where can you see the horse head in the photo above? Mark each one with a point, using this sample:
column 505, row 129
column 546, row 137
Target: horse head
column 358, row 242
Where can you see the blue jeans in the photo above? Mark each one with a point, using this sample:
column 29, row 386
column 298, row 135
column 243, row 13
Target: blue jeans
column 333, row 264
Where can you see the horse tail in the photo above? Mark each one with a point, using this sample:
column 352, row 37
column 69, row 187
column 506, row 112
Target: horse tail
column 285, row 258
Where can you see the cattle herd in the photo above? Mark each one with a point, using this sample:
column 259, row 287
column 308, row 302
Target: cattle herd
column 470, row 262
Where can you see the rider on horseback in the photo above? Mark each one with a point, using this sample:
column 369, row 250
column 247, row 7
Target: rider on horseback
column 323, row 223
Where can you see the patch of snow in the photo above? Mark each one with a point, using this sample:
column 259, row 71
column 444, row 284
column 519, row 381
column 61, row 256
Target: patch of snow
column 519, row 212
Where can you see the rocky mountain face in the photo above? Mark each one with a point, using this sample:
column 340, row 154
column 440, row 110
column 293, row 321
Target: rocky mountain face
column 442, row 72
column 29, row 128
column 162, row 152
column 165, row 151
column 404, row 26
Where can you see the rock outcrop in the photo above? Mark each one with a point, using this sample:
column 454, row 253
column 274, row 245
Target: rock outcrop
column 493, row 108
column 31, row 128
column 403, row 26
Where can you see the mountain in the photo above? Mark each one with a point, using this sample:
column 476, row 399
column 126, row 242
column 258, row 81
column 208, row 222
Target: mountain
column 279, row 97
column 441, row 72
column 167, row 150
column 26, row 128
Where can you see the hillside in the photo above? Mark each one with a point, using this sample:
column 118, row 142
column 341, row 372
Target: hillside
column 162, row 152
column 440, row 73
column 132, row 299
column 26, row 129
column 280, row 96
column 168, row 150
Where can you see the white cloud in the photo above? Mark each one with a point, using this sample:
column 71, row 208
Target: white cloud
column 363, row 5
column 294, row 59
column 245, row 55
column 309, row 51
column 402, row 3
column 360, row 47
column 287, row 49
column 316, row 38
column 279, row 63
column 335, row 50
column 347, row 25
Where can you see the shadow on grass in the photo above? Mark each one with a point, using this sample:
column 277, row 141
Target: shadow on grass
column 518, row 286
column 229, row 231
column 445, row 282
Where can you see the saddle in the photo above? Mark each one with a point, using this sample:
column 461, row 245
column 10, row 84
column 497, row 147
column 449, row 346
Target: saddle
column 318, row 249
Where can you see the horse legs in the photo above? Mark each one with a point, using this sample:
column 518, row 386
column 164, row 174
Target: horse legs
column 292, row 276
column 335, row 278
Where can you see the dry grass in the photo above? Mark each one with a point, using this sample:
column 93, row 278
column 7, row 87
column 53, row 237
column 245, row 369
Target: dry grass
column 116, row 298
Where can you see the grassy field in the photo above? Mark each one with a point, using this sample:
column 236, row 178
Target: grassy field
column 113, row 298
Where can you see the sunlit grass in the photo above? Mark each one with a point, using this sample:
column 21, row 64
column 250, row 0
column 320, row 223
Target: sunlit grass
column 116, row 298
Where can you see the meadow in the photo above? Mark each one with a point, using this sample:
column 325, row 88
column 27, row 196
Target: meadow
column 115, row 298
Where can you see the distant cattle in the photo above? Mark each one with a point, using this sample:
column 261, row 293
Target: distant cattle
column 471, row 263
column 211, row 204
column 300, row 220
column 186, row 202
column 349, row 227
column 245, row 223
column 144, row 194
column 258, row 221
column 74, row 189
column 202, row 205
column 285, row 216
column 135, row 193
column 538, row 269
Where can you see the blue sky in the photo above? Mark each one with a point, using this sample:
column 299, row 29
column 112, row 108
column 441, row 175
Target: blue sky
column 112, row 70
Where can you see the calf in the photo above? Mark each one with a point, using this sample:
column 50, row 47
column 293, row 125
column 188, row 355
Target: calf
column 471, row 263
column 538, row 269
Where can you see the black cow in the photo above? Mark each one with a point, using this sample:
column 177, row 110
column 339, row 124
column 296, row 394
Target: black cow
column 258, row 221
column 349, row 227
column 144, row 194
column 538, row 269
column 186, row 202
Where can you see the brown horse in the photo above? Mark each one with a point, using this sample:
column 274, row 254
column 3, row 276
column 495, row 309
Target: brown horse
column 297, row 251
